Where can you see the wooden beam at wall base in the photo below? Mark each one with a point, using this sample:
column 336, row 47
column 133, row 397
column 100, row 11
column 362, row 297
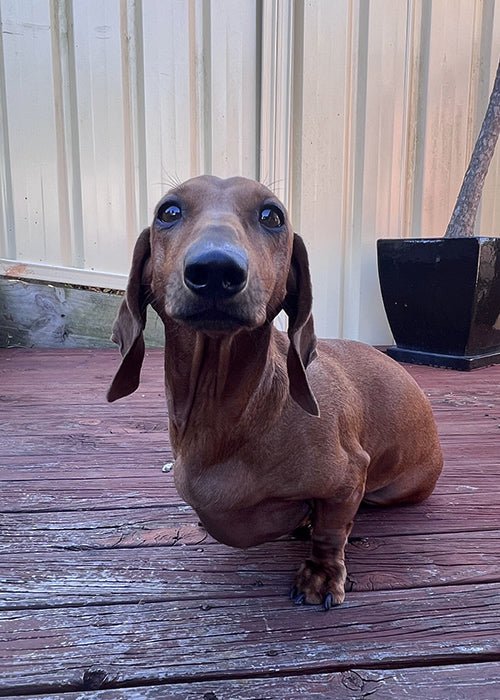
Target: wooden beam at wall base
column 43, row 315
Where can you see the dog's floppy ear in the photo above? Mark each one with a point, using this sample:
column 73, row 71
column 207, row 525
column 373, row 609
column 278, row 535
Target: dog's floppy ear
column 298, row 306
column 130, row 322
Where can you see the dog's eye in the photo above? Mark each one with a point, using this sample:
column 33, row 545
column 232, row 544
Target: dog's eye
column 169, row 213
column 271, row 217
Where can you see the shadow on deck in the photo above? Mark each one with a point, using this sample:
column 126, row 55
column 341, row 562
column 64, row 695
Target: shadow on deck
column 108, row 582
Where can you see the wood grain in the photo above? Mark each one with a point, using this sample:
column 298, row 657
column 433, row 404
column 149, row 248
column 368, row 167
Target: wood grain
column 42, row 315
column 478, row 681
column 242, row 637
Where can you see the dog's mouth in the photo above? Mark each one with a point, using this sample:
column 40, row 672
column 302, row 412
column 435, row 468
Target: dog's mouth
column 244, row 311
column 214, row 320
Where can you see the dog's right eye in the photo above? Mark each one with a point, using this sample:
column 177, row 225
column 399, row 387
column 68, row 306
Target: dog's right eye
column 169, row 213
column 271, row 217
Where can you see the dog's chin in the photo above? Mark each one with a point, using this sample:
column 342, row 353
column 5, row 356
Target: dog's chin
column 215, row 322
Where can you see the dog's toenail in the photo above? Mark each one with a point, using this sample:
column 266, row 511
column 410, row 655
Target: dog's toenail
column 329, row 602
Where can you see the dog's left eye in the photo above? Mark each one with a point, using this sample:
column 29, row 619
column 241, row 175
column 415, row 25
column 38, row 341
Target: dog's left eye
column 271, row 217
column 169, row 213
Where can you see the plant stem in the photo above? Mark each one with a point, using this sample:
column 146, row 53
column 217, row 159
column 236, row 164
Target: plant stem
column 464, row 214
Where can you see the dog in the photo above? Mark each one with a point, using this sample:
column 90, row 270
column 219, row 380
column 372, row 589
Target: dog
column 271, row 431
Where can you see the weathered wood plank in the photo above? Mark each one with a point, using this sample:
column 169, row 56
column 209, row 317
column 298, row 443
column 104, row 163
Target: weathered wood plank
column 101, row 529
column 59, row 373
column 44, row 650
column 461, row 512
column 449, row 391
column 463, row 473
column 175, row 564
column 84, row 486
column 38, row 315
column 133, row 502
column 480, row 681
column 129, row 491
column 92, row 488
column 116, row 481
column 87, row 432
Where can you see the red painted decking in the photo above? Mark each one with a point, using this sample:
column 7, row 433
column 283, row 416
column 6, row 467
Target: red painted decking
column 107, row 581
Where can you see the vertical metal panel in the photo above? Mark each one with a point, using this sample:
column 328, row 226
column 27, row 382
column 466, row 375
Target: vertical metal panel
column 101, row 99
column 279, row 55
column 201, row 86
column 135, row 204
column 318, row 157
column 233, row 87
column 173, row 75
column 8, row 233
column 360, row 115
column 30, row 120
column 67, row 135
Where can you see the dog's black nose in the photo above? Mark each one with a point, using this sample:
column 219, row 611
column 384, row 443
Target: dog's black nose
column 217, row 272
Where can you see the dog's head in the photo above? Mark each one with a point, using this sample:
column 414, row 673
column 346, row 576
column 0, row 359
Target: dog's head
column 219, row 258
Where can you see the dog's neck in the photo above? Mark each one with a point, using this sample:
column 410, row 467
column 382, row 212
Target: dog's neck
column 214, row 385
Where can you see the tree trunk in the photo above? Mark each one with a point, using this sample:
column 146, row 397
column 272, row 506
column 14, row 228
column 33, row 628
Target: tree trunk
column 464, row 214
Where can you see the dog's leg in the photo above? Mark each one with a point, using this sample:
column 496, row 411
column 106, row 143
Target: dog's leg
column 321, row 578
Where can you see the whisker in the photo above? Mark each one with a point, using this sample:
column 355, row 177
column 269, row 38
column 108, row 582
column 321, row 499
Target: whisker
column 170, row 180
column 273, row 185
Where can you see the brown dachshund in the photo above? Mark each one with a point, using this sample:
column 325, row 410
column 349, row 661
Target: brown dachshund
column 270, row 431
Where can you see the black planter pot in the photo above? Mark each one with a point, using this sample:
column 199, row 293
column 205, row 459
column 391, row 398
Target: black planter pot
column 442, row 300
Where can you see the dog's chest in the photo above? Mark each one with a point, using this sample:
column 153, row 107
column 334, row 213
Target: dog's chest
column 235, row 507
column 224, row 486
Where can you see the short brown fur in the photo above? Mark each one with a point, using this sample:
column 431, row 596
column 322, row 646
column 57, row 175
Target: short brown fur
column 270, row 431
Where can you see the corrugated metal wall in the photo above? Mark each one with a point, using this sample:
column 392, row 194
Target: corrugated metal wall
column 360, row 115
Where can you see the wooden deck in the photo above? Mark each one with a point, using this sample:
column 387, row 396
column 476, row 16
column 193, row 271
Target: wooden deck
column 107, row 581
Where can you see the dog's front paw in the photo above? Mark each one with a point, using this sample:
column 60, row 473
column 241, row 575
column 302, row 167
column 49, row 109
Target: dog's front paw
column 319, row 584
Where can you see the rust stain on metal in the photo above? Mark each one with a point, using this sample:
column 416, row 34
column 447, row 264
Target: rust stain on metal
column 19, row 270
